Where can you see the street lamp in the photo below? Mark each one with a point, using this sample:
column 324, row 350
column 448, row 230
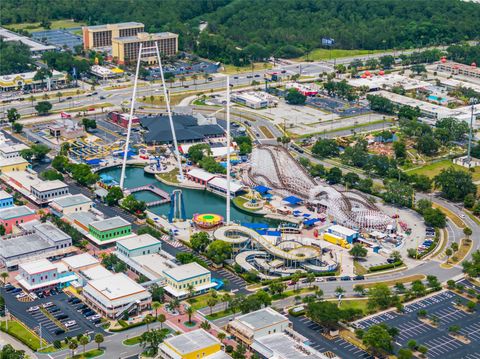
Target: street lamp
column 472, row 101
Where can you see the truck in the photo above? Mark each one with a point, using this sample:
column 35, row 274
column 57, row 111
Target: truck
column 339, row 241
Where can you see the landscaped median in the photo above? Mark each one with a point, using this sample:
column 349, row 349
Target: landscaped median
column 88, row 354
column 459, row 255
column 452, row 216
column 23, row 334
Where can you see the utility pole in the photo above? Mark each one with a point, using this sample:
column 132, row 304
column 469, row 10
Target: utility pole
column 472, row 102
column 228, row 150
column 129, row 129
column 169, row 113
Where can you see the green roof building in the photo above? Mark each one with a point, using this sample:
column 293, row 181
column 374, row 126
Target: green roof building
column 110, row 229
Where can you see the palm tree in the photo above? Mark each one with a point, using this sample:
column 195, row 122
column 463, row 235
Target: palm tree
column 182, row 79
column 190, row 290
column 156, row 306
column 173, row 304
column 211, row 302
column 205, row 325
column 468, row 232
column 205, row 76
column 98, row 339
column 339, row 291
column 162, row 319
column 190, row 312
column 59, row 95
column 147, row 320
column 227, row 298
column 310, row 278
column 84, row 340
column 4, row 276
column 221, row 336
column 72, row 345
column 195, row 78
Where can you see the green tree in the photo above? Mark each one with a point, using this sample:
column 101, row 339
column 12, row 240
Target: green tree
column 4, row 276
column 398, row 193
column 151, row 340
column 43, row 107
column 455, row 184
column 114, row 195
column 161, row 319
column 219, row 251
column 334, row 175
column 17, row 127
column 294, row 97
column 324, row 313
column 358, row 251
column 72, row 345
column 378, row 339
column 51, row 174
column 190, row 312
column 472, row 267
column 13, row 115
column 211, row 302
column 98, row 338
column 469, row 201
column 325, row 148
column 156, row 306
column 380, row 296
column 88, row 124
column 60, row 163
column 199, row 241
column 404, row 353
column 84, row 340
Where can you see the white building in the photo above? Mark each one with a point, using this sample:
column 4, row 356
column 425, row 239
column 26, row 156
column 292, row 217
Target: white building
column 46, row 191
column 42, row 274
column 12, row 150
column 92, row 273
column 257, row 324
column 114, row 295
column 71, row 204
column 36, row 48
column 192, row 275
column 80, row 261
column 255, row 100
column 139, row 245
column 218, row 185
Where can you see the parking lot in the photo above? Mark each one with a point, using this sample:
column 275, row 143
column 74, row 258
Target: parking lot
column 339, row 346
column 68, row 319
column 337, row 106
column 437, row 340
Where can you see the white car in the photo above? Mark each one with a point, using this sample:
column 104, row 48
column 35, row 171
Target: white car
column 21, row 295
column 33, row 309
column 47, row 304
column 70, row 323
column 95, row 317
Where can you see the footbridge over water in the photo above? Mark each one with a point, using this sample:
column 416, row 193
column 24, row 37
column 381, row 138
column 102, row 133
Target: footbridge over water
column 165, row 196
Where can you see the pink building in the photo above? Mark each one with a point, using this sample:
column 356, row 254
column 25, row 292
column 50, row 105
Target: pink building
column 14, row 216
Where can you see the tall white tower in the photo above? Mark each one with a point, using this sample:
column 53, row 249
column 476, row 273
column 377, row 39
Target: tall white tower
column 153, row 50
column 228, row 150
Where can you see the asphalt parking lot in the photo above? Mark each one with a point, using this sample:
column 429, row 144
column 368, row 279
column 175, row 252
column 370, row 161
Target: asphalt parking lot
column 61, row 307
column 339, row 346
column 437, row 340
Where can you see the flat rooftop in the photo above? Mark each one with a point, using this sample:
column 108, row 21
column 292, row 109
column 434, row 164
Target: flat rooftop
column 4, row 195
column 49, row 185
column 72, row 200
column 154, row 263
column 280, row 345
column 17, row 147
column 116, row 286
column 53, row 233
column 96, row 272
column 192, row 341
column 15, row 212
column 12, row 161
column 33, row 45
column 143, row 240
column 120, row 25
column 144, row 36
column 186, row 271
column 80, row 260
column 261, row 318
column 38, row 266
column 84, row 218
column 110, row 223
column 27, row 244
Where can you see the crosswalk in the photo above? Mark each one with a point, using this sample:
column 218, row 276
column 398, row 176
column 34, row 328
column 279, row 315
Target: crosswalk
column 173, row 242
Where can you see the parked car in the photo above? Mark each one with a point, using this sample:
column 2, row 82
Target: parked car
column 9, row 287
column 33, row 309
column 345, row 278
column 331, row 279
column 47, row 304
column 76, row 301
column 21, row 295
column 16, row 290
column 61, row 316
column 359, row 277
column 95, row 317
column 70, row 323
column 59, row 331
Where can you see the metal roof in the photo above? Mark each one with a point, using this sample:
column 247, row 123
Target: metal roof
column 261, row 318
column 110, row 223
column 71, row 200
column 192, row 341
column 15, row 212
column 186, row 271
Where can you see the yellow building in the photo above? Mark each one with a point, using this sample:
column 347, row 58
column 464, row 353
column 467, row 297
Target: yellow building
column 180, row 279
column 102, row 35
column 192, row 345
column 25, row 81
column 125, row 49
column 13, row 164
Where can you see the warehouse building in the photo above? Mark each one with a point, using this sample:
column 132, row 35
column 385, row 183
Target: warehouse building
column 116, row 294
column 125, row 49
column 39, row 240
column 188, row 128
column 101, row 36
column 58, row 38
column 36, row 48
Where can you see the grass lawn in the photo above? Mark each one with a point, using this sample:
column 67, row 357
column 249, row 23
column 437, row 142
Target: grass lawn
column 220, row 314
column 463, row 250
column 355, row 304
column 403, row 280
column 325, row 54
column 232, row 69
column 88, row 354
column 359, row 268
column 158, row 99
column 35, row 26
column 266, row 132
column 452, row 216
column 200, row 301
column 170, row 176
column 84, row 108
column 19, row 331
column 433, row 169
column 132, row 340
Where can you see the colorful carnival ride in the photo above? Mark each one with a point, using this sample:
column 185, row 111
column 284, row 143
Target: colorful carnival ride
column 207, row 220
